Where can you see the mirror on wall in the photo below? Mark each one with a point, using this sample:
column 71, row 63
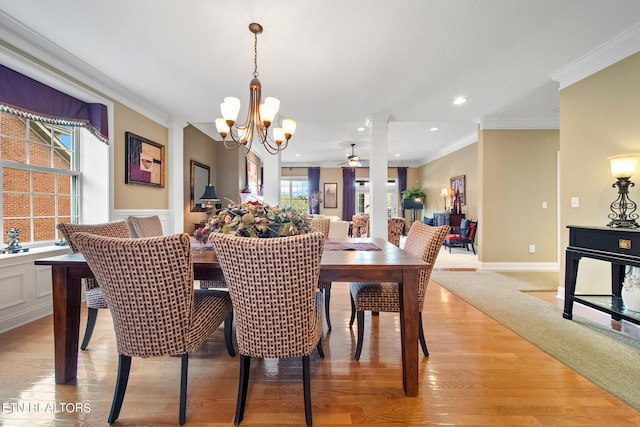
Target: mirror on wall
column 200, row 178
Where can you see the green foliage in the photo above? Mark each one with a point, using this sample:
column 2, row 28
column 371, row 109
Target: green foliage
column 414, row 193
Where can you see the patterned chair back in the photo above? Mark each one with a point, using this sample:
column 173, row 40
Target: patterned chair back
column 360, row 226
column 148, row 284
column 109, row 229
column 149, row 226
column 395, row 227
column 322, row 225
column 273, row 283
column 424, row 242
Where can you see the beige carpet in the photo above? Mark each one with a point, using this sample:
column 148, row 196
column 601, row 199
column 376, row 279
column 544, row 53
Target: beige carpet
column 604, row 356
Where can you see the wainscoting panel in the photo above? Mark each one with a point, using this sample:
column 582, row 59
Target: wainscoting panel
column 25, row 289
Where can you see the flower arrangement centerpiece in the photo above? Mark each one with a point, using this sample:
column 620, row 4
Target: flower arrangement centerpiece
column 315, row 202
column 631, row 292
column 255, row 219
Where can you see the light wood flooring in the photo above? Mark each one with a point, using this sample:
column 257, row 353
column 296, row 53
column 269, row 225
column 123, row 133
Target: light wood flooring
column 479, row 374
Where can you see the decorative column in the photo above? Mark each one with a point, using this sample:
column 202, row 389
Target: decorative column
column 378, row 175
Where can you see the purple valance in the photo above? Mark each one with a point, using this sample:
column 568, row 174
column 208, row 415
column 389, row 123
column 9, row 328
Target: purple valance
column 28, row 98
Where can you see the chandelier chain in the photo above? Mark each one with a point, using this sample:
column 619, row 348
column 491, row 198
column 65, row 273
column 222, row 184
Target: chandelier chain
column 255, row 54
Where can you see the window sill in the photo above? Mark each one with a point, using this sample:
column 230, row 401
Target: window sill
column 33, row 254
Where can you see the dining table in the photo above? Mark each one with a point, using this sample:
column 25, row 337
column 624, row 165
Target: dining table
column 343, row 260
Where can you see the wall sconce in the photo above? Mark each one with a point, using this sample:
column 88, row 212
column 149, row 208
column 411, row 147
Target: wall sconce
column 623, row 167
column 444, row 194
column 209, row 195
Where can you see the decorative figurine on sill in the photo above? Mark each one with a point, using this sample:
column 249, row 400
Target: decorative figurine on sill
column 13, row 240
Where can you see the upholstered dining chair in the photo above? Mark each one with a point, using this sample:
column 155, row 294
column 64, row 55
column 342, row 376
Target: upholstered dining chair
column 323, row 225
column 145, row 226
column 148, row 284
column 360, row 226
column 93, row 293
column 395, row 228
column 424, row 242
column 277, row 307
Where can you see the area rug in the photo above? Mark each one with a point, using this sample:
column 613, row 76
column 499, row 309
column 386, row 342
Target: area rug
column 602, row 355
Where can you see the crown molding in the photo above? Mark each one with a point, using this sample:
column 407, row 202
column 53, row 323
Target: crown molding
column 468, row 140
column 520, row 122
column 616, row 49
column 27, row 43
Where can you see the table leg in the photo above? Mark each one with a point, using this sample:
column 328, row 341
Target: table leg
column 66, row 324
column 408, row 290
column 570, row 276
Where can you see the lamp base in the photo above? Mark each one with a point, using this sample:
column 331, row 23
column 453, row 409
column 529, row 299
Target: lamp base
column 623, row 223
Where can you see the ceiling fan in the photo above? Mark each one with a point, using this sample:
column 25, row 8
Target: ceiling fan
column 352, row 160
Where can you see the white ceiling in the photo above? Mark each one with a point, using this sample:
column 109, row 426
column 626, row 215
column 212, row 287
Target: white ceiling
column 335, row 63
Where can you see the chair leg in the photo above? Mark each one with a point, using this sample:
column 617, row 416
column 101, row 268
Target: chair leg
column 306, row 380
column 353, row 311
column 92, row 315
column 124, row 366
column 320, row 350
column 327, row 300
column 183, row 389
column 474, row 249
column 245, row 365
column 360, row 316
column 423, row 342
column 228, row 337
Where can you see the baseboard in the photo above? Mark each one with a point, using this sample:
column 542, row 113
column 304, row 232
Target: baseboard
column 23, row 317
column 520, row 266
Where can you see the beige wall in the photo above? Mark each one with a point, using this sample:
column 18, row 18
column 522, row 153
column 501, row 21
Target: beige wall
column 131, row 196
column 435, row 176
column 202, row 149
column 517, row 169
column 599, row 117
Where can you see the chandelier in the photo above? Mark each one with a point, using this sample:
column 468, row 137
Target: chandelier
column 259, row 118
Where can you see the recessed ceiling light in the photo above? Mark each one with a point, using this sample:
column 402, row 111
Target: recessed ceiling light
column 297, row 155
column 397, row 155
column 433, row 129
column 360, row 129
column 459, row 100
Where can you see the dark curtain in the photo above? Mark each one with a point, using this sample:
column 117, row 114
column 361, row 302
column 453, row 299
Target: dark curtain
column 402, row 185
column 348, row 193
column 28, row 98
column 313, row 176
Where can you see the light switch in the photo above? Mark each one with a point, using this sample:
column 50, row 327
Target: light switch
column 575, row 202
column 544, row 205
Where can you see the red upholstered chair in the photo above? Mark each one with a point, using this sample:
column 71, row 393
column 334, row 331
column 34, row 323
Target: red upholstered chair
column 463, row 236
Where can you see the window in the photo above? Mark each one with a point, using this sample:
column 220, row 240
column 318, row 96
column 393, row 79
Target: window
column 362, row 198
column 39, row 176
column 294, row 192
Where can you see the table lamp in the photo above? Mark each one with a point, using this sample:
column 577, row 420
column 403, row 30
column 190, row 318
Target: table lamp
column 209, row 195
column 444, row 195
column 623, row 167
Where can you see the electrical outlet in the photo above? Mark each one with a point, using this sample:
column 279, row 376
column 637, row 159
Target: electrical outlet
column 532, row 249
column 544, row 205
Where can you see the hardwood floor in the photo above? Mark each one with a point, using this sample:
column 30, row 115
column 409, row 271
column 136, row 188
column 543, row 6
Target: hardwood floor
column 478, row 374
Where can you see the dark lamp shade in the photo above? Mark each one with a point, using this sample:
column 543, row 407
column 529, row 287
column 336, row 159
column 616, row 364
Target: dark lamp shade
column 209, row 193
column 411, row 203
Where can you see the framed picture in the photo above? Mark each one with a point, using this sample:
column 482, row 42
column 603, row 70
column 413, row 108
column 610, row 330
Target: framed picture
column 330, row 195
column 457, row 188
column 252, row 176
column 144, row 161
